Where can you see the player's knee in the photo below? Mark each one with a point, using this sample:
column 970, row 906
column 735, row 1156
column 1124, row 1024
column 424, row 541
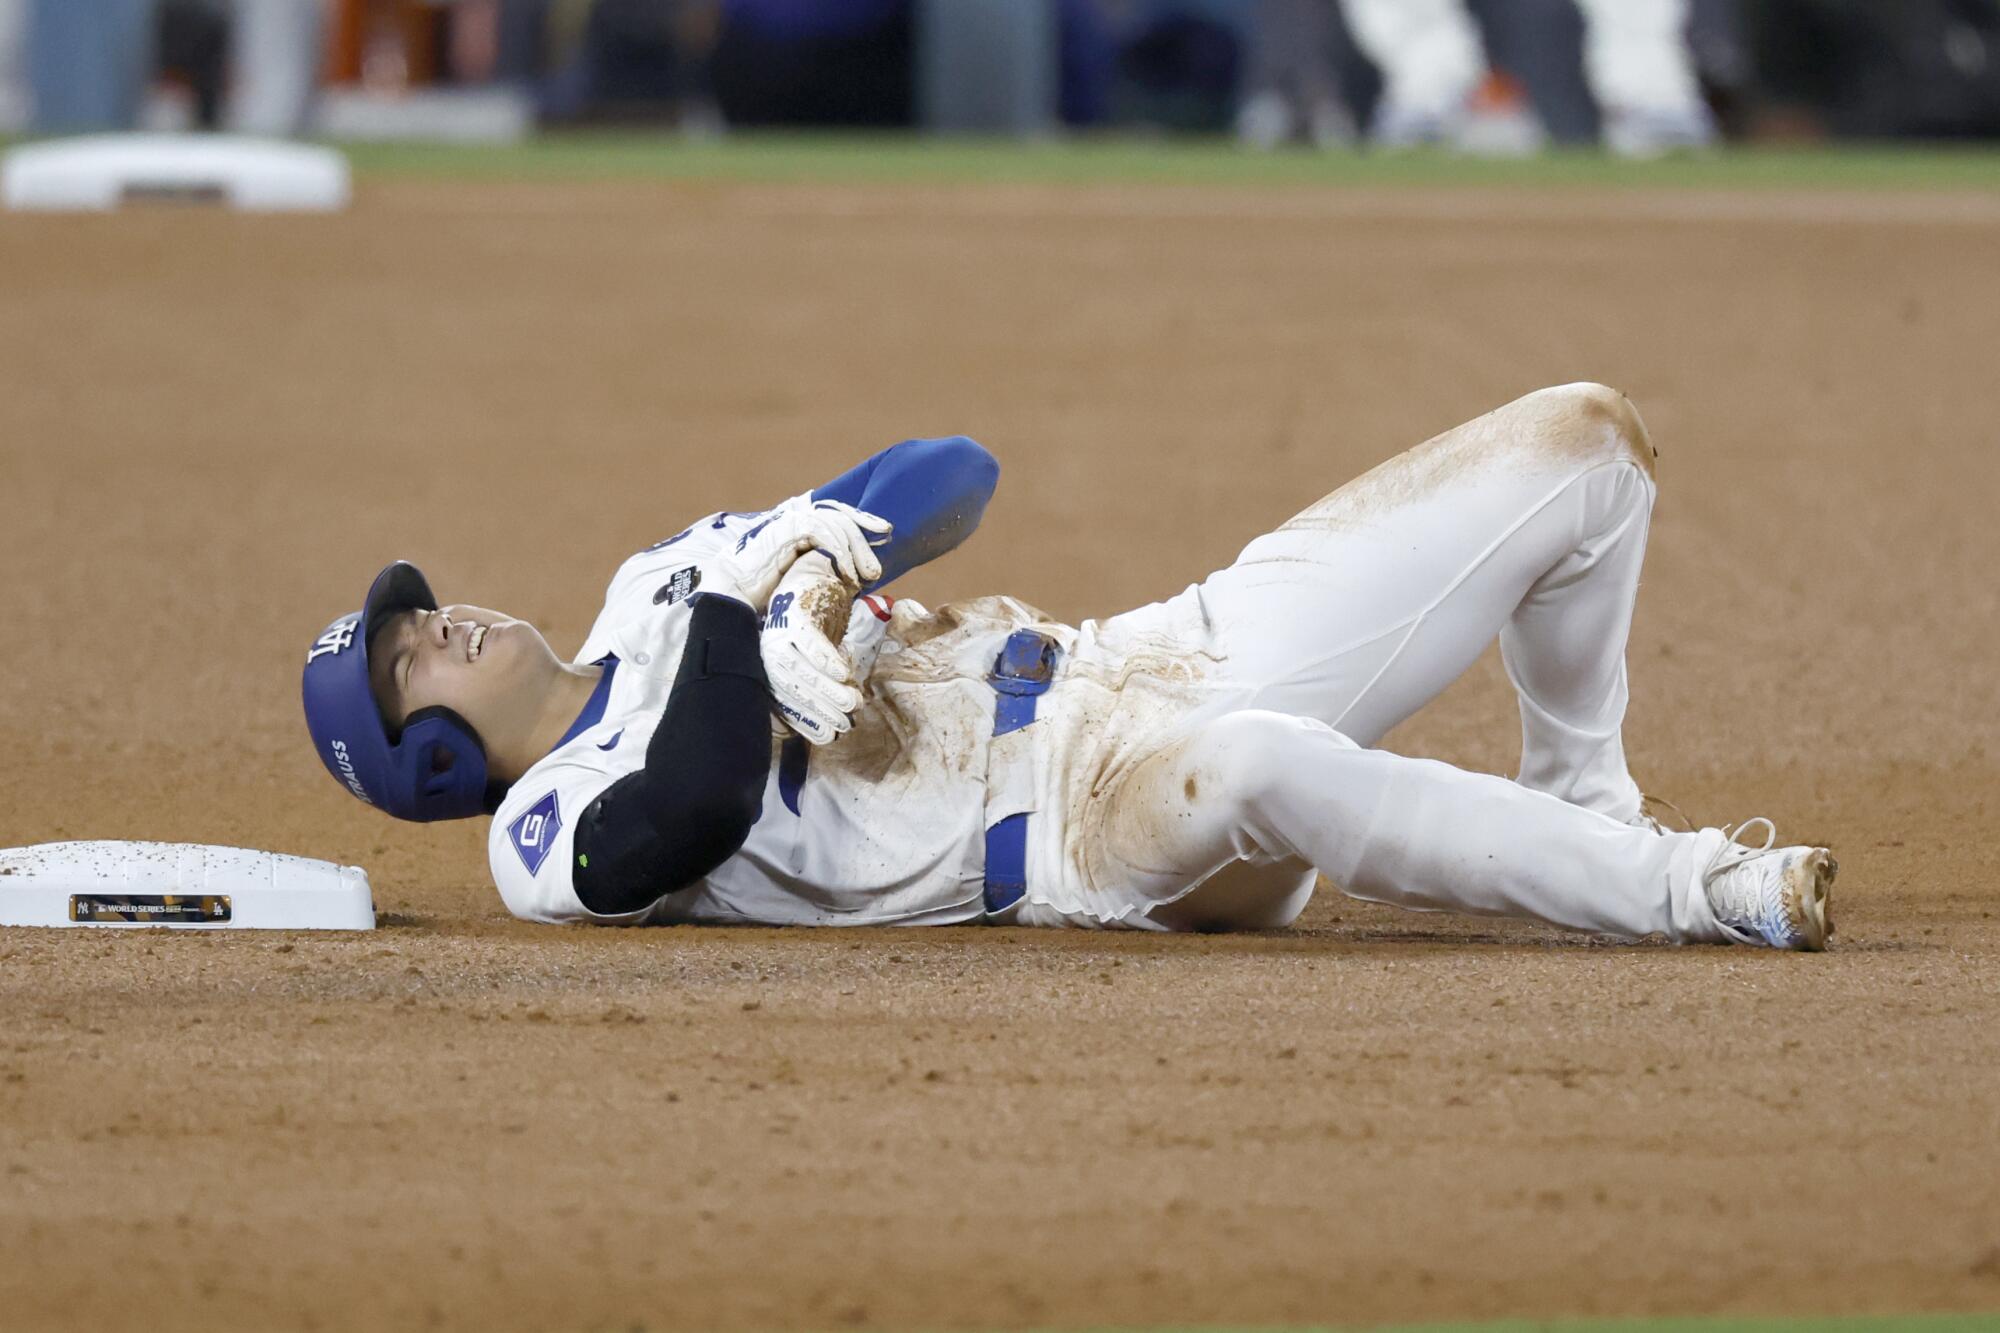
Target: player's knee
column 1593, row 423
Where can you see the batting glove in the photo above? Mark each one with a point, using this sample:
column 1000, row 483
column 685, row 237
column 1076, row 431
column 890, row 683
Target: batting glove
column 766, row 551
column 811, row 680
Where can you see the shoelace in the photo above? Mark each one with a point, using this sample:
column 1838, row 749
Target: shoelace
column 1649, row 802
column 1748, row 907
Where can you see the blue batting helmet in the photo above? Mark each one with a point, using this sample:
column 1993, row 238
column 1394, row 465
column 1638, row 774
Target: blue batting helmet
column 435, row 768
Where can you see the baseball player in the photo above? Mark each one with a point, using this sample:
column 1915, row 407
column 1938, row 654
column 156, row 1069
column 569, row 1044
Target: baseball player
column 753, row 732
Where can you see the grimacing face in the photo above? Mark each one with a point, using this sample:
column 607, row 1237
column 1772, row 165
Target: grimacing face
column 490, row 669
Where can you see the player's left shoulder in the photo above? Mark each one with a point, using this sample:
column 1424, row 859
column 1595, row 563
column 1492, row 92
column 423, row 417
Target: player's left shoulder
column 526, row 848
column 530, row 847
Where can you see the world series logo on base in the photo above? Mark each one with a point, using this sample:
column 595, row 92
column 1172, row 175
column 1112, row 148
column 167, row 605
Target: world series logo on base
column 150, row 908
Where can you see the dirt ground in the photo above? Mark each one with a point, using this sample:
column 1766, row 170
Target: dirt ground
column 214, row 430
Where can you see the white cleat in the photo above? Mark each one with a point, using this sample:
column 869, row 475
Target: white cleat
column 1776, row 897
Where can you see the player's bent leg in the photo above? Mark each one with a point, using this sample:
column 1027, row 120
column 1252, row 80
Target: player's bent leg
column 1564, row 645
column 1528, row 523
column 1276, row 790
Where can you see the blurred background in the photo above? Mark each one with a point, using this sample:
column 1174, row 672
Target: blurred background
column 1498, row 77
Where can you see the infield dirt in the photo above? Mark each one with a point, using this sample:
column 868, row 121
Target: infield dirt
column 215, row 429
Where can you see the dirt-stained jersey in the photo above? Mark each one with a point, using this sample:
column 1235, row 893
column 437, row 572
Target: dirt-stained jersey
column 883, row 827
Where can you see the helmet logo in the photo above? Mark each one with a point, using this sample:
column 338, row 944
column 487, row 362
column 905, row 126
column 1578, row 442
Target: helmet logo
column 339, row 637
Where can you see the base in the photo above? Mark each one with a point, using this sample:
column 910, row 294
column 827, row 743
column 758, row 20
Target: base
column 179, row 885
column 104, row 171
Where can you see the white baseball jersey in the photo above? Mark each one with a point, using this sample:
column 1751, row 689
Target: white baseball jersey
column 886, row 826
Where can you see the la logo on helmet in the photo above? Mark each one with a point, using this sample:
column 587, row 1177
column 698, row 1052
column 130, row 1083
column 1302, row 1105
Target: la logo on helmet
column 339, row 637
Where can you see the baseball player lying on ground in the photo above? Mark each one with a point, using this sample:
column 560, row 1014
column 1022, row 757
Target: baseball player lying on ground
column 1186, row 766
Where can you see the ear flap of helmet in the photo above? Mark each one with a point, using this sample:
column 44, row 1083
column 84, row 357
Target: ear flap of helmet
column 441, row 763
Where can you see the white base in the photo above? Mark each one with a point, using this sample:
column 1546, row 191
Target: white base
column 179, row 885
column 96, row 173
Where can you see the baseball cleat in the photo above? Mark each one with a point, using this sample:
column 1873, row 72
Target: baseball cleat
column 1773, row 896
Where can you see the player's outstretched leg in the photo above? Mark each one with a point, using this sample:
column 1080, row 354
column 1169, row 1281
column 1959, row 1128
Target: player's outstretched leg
column 1528, row 523
column 1269, row 788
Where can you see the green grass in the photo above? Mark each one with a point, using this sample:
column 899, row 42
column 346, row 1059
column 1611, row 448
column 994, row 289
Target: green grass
column 909, row 159
column 639, row 155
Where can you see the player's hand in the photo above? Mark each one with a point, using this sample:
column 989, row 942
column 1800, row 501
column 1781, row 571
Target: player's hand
column 841, row 532
column 811, row 680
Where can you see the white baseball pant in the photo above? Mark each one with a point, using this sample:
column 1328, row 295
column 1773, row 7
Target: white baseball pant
column 1528, row 523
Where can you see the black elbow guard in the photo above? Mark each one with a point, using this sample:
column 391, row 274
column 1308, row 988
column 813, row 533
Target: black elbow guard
column 627, row 861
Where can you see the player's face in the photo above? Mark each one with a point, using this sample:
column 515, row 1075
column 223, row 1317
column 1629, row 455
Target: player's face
column 489, row 668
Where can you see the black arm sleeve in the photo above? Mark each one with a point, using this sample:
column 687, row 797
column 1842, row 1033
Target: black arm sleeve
column 690, row 808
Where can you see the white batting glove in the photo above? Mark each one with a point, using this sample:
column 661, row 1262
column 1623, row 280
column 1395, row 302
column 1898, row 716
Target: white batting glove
column 763, row 554
column 811, row 680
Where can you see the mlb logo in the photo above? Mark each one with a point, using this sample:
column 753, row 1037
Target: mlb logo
column 535, row 832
